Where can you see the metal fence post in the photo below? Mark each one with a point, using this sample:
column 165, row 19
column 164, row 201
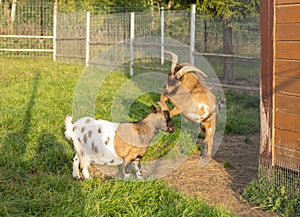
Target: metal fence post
column 54, row 30
column 131, row 42
column 87, row 41
column 162, row 20
column 192, row 33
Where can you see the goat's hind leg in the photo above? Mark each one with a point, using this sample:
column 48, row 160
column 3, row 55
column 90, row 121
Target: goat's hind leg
column 138, row 170
column 85, row 163
column 76, row 163
column 210, row 128
column 128, row 166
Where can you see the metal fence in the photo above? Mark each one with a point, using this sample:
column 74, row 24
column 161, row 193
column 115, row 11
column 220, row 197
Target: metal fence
column 26, row 29
column 279, row 175
column 33, row 32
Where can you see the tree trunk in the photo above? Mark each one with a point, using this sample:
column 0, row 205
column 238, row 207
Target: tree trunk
column 228, row 49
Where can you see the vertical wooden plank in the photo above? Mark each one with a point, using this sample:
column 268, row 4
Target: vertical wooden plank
column 266, row 77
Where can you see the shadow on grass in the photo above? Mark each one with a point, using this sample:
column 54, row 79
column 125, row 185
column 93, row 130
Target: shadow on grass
column 32, row 179
column 15, row 144
column 50, row 156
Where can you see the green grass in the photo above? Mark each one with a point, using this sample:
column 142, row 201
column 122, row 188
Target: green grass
column 242, row 112
column 36, row 159
column 227, row 164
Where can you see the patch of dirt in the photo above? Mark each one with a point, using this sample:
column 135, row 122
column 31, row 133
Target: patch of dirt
column 220, row 186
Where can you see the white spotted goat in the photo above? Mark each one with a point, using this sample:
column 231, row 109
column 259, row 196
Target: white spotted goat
column 105, row 143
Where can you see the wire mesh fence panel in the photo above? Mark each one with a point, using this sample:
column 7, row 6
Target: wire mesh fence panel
column 244, row 44
column 71, row 37
column 147, row 24
column 281, row 175
column 106, row 30
column 177, row 26
column 245, row 35
column 25, row 25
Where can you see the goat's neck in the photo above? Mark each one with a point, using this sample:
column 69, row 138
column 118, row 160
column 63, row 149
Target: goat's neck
column 150, row 127
column 139, row 133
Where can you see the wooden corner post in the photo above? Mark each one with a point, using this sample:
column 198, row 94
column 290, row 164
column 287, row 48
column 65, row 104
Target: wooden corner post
column 266, row 78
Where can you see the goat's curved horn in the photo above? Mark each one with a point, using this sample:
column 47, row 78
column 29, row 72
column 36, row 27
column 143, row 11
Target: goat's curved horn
column 174, row 60
column 161, row 106
column 187, row 69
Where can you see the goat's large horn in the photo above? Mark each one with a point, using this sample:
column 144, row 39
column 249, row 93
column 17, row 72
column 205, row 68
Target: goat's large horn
column 187, row 69
column 161, row 106
column 174, row 60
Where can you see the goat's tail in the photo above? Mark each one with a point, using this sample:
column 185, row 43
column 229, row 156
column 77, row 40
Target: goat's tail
column 220, row 104
column 69, row 127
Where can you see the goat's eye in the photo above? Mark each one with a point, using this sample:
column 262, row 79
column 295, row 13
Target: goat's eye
column 167, row 114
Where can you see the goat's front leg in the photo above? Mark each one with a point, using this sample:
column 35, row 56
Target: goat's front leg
column 175, row 110
column 163, row 100
column 128, row 166
column 137, row 166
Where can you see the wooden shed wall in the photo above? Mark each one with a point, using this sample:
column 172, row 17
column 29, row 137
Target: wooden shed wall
column 286, row 84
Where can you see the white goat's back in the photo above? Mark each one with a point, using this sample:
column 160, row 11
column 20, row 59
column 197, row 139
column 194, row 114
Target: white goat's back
column 94, row 139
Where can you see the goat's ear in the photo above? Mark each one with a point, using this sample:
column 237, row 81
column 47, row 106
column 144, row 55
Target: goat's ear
column 153, row 108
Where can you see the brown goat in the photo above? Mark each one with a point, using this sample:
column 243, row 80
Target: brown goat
column 187, row 91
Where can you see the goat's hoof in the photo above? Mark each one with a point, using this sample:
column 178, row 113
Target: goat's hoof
column 76, row 177
column 126, row 176
column 140, row 178
column 204, row 160
column 87, row 178
column 203, row 153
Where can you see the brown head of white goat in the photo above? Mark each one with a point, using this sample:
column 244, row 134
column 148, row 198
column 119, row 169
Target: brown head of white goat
column 187, row 91
column 105, row 143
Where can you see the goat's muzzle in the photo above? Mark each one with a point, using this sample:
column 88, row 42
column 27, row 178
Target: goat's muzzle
column 170, row 129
